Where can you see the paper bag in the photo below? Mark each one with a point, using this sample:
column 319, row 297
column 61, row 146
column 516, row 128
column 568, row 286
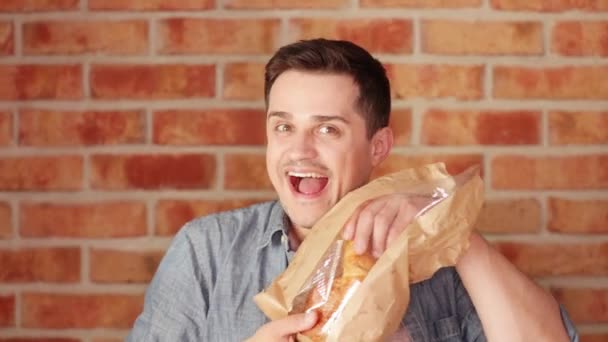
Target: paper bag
column 373, row 294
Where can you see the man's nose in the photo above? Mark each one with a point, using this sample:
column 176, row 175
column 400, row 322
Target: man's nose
column 303, row 147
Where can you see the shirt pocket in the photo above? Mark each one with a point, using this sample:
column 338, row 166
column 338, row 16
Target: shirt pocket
column 410, row 326
column 446, row 330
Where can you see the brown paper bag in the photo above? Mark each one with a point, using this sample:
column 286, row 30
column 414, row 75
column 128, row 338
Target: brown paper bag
column 374, row 304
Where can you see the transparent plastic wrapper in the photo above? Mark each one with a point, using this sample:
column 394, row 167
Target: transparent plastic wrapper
column 359, row 298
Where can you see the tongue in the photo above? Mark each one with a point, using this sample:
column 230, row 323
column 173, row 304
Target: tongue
column 311, row 185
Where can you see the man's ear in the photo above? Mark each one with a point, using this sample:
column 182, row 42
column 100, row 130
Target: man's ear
column 382, row 143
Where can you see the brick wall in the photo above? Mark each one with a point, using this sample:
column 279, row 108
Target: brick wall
column 122, row 119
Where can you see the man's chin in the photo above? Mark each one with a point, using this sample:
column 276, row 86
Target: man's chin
column 304, row 220
column 305, row 215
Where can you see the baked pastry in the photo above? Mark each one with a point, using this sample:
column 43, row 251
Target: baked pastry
column 350, row 271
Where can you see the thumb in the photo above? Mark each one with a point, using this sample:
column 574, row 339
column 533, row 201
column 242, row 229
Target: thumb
column 296, row 323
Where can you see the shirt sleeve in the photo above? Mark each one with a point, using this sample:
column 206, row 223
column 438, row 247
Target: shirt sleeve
column 570, row 328
column 175, row 305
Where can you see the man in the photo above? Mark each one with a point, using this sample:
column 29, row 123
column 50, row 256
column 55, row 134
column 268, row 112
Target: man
column 328, row 106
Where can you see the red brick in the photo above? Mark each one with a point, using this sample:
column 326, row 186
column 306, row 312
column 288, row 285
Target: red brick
column 509, row 216
column 469, row 127
column 7, row 310
column 456, row 37
column 221, row 36
column 244, row 81
column 7, row 40
column 578, row 216
column 62, row 311
column 39, row 5
column 41, row 173
column 550, row 5
column 171, row 215
column 550, row 173
column 578, row 127
column 6, row 128
column 454, row 163
column 421, row 3
column 401, row 124
column 6, row 221
column 379, row 35
column 590, row 337
column 246, row 172
column 540, row 260
column 285, row 4
column 181, row 171
column 83, row 220
column 113, row 266
column 575, row 38
column 161, row 81
column 210, row 127
column 37, row 82
column 436, row 81
column 151, row 5
column 71, row 128
column 584, row 305
column 56, row 265
column 568, row 82
column 127, row 37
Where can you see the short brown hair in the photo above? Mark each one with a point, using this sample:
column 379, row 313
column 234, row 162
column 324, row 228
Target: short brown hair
column 339, row 57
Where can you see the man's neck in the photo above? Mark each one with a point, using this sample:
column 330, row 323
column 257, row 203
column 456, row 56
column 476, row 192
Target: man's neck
column 296, row 236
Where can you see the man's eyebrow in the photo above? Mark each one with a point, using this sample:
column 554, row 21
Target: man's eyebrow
column 324, row 118
column 318, row 117
column 279, row 114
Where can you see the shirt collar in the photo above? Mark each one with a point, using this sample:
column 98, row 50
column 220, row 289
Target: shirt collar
column 277, row 224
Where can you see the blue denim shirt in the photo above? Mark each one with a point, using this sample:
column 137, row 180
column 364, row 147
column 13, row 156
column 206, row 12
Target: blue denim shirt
column 203, row 288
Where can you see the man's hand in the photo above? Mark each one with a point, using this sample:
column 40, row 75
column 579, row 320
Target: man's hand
column 378, row 222
column 285, row 329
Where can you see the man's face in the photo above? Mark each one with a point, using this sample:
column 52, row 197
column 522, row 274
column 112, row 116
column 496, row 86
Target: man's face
column 318, row 149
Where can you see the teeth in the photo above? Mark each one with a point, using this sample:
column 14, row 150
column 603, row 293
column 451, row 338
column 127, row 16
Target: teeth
column 305, row 175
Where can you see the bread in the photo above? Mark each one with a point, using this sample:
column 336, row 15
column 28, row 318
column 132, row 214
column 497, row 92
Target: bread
column 350, row 272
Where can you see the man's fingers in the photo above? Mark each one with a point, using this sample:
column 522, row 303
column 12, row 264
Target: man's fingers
column 293, row 324
column 404, row 217
column 382, row 223
column 379, row 222
column 365, row 225
column 283, row 330
column 349, row 228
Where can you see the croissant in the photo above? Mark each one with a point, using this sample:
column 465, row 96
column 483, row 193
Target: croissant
column 352, row 270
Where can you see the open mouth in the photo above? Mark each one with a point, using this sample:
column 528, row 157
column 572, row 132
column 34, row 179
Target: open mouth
column 309, row 183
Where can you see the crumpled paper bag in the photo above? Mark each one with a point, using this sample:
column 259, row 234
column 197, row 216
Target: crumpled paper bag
column 372, row 310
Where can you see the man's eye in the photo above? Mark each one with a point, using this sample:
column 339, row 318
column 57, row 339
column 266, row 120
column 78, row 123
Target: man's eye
column 328, row 130
column 282, row 128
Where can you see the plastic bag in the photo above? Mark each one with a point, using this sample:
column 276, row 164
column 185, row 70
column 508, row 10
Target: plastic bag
column 340, row 273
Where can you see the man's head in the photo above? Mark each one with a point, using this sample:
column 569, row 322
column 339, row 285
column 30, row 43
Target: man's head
column 343, row 58
column 328, row 106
